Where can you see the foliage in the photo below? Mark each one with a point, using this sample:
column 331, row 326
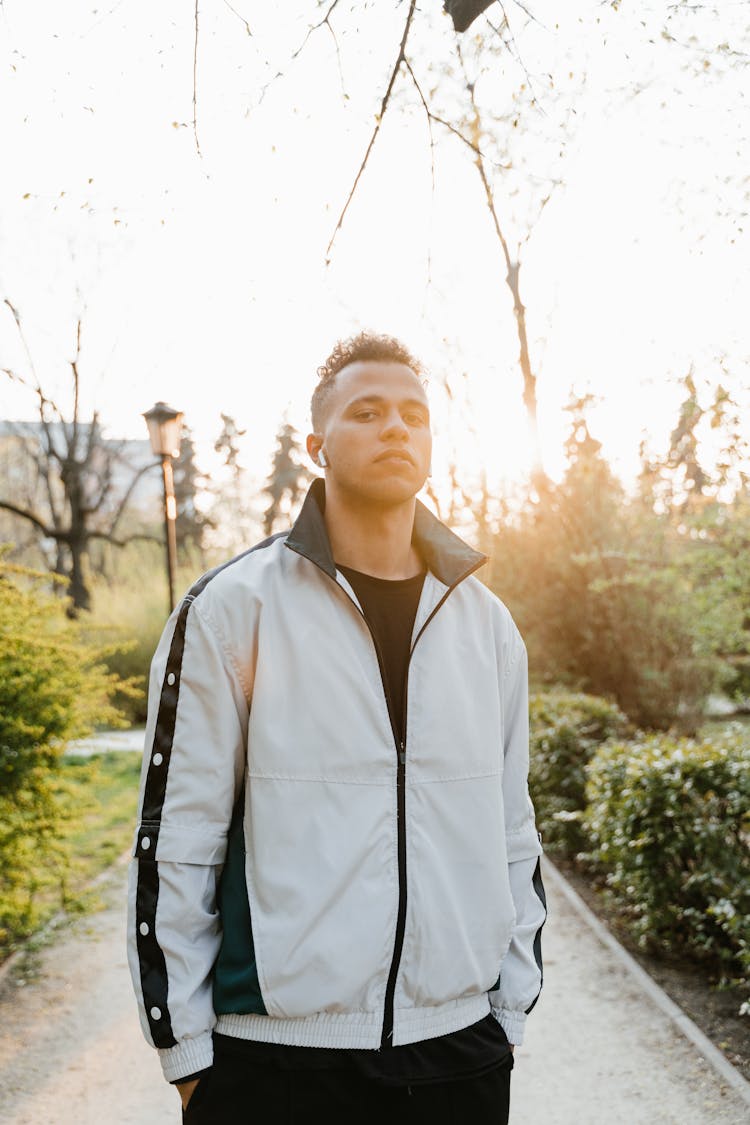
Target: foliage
column 235, row 519
column 83, row 817
column 705, row 518
column 669, row 818
column 606, row 596
column 53, row 687
column 565, row 730
column 288, row 479
column 53, row 682
column 192, row 522
column 34, row 822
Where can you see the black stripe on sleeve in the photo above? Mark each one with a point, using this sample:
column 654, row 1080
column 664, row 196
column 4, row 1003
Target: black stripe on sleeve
column 538, row 886
column 150, row 956
column 161, row 751
column 152, row 965
column 151, row 962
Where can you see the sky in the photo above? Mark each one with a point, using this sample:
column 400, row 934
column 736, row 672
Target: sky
column 201, row 278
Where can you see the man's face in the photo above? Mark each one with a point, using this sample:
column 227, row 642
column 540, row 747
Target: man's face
column 376, row 436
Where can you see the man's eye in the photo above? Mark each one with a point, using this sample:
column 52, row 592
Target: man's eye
column 414, row 419
column 364, row 415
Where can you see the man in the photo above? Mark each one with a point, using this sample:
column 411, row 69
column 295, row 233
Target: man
column 335, row 897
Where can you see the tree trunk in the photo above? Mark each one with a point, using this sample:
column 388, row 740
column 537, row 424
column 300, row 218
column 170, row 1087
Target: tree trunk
column 538, row 475
column 78, row 590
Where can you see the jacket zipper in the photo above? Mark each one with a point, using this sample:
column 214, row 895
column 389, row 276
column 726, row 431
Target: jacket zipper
column 400, row 744
column 386, row 1039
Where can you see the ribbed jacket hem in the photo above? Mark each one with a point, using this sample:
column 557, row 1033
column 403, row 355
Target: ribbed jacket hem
column 512, row 1023
column 187, row 1057
column 356, row 1029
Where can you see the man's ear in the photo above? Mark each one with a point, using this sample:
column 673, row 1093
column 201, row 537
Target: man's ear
column 313, row 443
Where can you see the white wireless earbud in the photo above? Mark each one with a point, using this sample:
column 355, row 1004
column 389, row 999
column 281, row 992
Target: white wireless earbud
column 322, row 459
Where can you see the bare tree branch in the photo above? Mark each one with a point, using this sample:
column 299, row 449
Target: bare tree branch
column 325, row 21
column 239, row 16
column 76, row 387
column 57, row 515
column 529, row 13
column 105, row 487
column 195, row 84
column 32, row 517
column 450, row 126
column 78, row 474
column 106, row 15
column 383, row 107
column 512, row 277
column 513, row 46
column 44, row 402
column 128, row 493
column 19, row 326
column 338, row 59
column 140, row 535
column 418, row 88
column 93, row 438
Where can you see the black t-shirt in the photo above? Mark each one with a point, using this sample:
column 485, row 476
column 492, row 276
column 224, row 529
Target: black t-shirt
column 390, row 608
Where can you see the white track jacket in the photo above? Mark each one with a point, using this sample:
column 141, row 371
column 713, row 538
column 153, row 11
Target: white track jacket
column 298, row 876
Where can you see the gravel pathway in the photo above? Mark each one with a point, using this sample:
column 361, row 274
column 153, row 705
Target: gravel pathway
column 597, row 1050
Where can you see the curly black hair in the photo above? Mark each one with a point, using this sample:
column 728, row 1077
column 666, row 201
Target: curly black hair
column 364, row 346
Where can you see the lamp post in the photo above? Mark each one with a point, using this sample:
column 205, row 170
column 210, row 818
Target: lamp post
column 164, row 425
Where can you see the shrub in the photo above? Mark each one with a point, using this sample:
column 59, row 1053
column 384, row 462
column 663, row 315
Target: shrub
column 53, row 687
column 565, row 730
column 670, row 819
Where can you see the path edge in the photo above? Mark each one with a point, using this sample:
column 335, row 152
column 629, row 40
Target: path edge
column 57, row 919
column 680, row 1019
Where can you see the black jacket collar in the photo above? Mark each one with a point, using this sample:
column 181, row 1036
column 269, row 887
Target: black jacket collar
column 446, row 556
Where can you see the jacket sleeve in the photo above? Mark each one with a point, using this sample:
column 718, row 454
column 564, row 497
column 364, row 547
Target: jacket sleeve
column 520, row 980
column 193, row 767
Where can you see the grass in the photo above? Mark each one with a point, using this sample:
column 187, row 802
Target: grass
column 108, row 784
column 95, row 807
column 131, row 610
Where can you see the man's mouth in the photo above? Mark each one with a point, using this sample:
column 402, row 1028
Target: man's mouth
column 395, row 455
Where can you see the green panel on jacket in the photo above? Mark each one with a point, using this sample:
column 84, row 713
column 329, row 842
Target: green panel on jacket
column 236, row 987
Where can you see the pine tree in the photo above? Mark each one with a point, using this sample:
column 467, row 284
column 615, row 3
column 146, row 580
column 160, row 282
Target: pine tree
column 189, row 482
column 235, row 516
column 288, row 479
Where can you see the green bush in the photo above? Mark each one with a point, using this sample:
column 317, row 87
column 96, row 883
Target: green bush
column 565, row 730
column 53, row 687
column 53, row 682
column 670, row 820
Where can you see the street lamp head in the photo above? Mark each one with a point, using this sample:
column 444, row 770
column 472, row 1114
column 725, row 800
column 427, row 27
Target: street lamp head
column 164, row 426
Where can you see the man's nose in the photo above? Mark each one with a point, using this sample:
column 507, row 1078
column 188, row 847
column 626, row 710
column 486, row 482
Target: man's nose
column 394, row 426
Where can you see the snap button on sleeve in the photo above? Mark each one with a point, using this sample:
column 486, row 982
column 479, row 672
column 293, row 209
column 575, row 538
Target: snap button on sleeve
column 157, row 759
column 145, row 843
column 144, row 928
column 155, row 1013
column 171, row 678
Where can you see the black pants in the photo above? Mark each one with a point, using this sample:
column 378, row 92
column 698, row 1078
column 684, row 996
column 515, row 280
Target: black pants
column 236, row 1092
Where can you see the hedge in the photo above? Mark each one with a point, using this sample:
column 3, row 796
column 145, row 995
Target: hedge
column 53, row 687
column 669, row 818
column 565, row 730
